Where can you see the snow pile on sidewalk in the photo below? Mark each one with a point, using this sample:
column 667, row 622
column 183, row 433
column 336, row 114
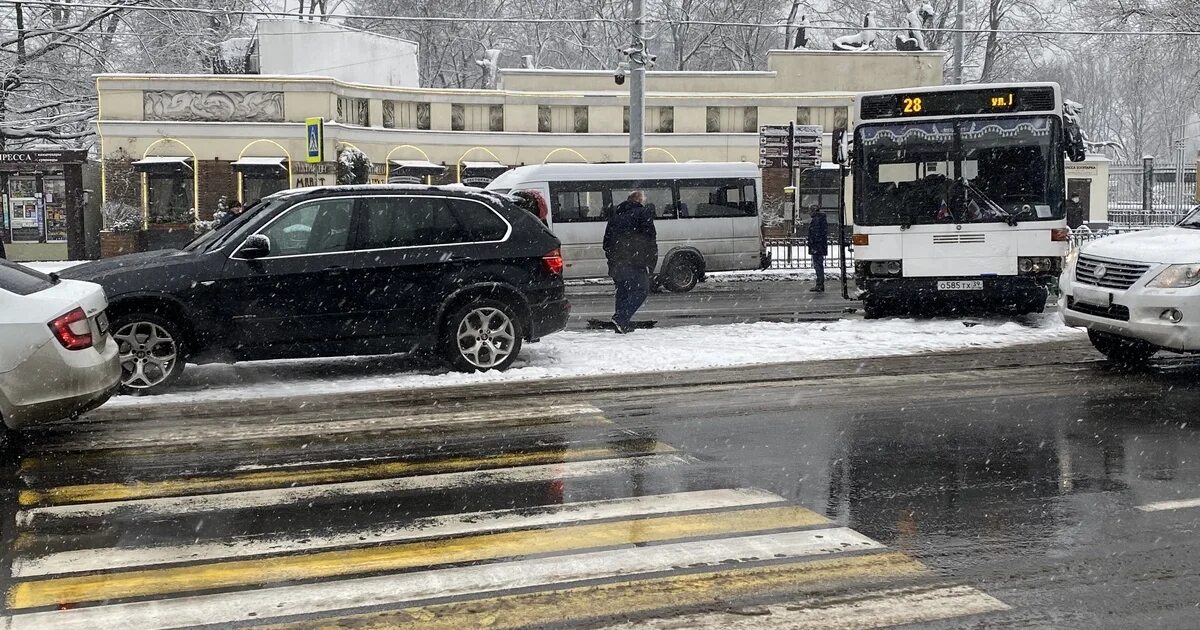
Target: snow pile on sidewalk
column 574, row 354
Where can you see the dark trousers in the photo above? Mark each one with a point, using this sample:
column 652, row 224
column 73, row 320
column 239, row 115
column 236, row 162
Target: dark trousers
column 819, row 267
column 633, row 286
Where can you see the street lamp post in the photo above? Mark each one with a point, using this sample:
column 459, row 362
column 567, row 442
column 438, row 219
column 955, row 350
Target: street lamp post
column 637, row 85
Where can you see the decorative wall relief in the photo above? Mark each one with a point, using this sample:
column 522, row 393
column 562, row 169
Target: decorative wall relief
column 213, row 106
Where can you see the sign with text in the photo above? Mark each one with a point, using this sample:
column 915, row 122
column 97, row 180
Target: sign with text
column 805, row 145
column 315, row 132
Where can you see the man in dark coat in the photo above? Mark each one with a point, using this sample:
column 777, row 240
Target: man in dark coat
column 2, row 254
column 631, row 246
column 818, row 245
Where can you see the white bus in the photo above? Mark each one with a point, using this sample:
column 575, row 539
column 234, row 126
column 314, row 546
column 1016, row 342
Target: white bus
column 706, row 214
column 958, row 196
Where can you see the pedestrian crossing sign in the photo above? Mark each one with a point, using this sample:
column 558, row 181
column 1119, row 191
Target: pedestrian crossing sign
column 315, row 130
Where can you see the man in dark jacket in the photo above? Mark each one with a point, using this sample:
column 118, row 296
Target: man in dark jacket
column 631, row 246
column 818, row 245
column 2, row 254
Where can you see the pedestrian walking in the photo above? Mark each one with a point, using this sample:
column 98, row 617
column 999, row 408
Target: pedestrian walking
column 631, row 246
column 818, row 245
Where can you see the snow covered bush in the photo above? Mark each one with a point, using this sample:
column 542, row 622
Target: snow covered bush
column 354, row 167
column 121, row 217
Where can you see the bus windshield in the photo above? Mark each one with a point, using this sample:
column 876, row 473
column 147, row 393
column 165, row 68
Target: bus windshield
column 958, row 171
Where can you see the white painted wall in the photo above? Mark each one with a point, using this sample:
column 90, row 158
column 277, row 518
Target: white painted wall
column 319, row 48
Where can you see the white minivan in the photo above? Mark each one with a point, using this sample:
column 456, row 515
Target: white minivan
column 706, row 214
column 1137, row 293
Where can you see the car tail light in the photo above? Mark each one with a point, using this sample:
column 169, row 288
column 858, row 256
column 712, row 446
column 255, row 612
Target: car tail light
column 553, row 262
column 1060, row 235
column 72, row 330
column 861, row 240
column 543, row 206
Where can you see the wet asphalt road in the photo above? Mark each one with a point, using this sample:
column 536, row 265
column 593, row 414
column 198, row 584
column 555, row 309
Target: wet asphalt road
column 974, row 492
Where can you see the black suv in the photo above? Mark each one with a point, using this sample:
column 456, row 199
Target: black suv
column 340, row 271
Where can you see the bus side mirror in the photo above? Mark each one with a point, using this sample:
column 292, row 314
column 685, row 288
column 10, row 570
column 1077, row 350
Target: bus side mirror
column 840, row 149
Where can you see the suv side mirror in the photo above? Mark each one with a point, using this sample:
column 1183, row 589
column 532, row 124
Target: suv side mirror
column 256, row 246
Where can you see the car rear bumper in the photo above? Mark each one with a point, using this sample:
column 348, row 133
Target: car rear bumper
column 56, row 383
column 548, row 317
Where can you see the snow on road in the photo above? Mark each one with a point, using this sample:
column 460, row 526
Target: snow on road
column 592, row 353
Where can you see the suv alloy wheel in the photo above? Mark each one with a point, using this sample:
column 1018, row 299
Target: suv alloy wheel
column 483, row 335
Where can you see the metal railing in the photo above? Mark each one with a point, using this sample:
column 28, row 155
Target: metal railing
column 792, row 253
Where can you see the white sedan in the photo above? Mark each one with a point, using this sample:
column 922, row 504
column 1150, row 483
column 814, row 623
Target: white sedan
column 1137, row 293
column 56, row 357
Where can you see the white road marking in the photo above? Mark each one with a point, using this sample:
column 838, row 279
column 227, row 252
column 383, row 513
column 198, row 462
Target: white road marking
column 1169, row 505
column 171, row 506
column 861, row 611
column 398, row 589
column 423, row 528
column 138, row 434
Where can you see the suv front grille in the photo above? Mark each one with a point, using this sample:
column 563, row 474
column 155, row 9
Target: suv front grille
column 1111, row 274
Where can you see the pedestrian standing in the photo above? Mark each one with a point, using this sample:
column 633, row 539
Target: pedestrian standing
column 227, row 217
column 818, row 245
column 2, row 254
column 631, row 246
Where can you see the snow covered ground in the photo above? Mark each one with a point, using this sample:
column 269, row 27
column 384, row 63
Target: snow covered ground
column 573, row 354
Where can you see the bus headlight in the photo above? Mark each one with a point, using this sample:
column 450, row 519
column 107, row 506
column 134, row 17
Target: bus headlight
column 886, row 268
column 1177, row 277
column 1030, row 265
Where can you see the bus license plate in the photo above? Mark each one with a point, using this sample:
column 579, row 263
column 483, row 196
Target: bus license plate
column 960, row 285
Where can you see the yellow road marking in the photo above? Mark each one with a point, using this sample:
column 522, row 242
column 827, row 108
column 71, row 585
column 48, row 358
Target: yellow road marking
column 264, row 479
column 638, row 597
column 343, row 562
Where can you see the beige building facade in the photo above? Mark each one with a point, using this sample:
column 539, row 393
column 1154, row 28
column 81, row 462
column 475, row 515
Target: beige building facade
column 174, row 145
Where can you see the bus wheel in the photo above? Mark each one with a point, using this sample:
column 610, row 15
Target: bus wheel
column 680, row 275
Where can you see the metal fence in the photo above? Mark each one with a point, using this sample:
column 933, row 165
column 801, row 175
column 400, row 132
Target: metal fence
column 1150, row 193
column 792, row 253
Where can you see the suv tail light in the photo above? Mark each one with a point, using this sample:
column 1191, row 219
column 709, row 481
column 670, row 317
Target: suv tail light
column 542, row 210
column 72, row 330
column 553, row 262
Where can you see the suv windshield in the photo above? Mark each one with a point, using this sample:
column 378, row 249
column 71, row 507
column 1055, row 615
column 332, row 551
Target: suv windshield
column 22, row 280
column 967, row 171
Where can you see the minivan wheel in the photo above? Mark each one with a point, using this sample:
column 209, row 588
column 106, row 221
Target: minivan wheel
column 680, row 275
column 150, row 348
column 1126, row 353
column 483, row 335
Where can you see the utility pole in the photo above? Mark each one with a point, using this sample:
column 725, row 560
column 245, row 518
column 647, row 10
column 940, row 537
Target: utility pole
column 637, row 85
column 959, row 24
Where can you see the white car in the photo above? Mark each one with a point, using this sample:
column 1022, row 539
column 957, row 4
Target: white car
column 56, row 356
column 1137, row 293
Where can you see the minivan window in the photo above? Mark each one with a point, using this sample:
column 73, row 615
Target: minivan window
column 22, row 280
column 313, row 228
column 659, row 197
column 577, row 204
column 700, row 199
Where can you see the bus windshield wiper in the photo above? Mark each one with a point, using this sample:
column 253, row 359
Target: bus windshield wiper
column 997, row 210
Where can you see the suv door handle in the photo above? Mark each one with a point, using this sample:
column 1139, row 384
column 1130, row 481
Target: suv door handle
column 336, row 268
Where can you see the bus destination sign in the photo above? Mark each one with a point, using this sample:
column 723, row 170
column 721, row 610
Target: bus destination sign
column 958, row 102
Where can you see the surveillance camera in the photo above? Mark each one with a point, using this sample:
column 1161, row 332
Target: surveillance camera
column 619, row 78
